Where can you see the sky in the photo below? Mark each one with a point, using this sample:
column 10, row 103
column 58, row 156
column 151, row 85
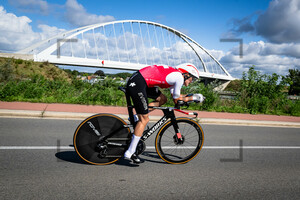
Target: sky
column 269, row 29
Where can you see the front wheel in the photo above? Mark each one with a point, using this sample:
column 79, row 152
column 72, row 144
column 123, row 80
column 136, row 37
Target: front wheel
column 179, row 148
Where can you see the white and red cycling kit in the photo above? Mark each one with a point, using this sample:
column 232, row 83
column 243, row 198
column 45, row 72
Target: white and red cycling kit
column 164, row 77
column 144, row 83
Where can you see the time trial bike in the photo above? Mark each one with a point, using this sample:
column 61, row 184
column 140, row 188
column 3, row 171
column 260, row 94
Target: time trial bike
column 103, row 138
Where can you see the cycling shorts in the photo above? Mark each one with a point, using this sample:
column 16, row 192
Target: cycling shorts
column 139, row 91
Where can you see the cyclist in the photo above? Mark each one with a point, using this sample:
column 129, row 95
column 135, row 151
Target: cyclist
column 143, row 84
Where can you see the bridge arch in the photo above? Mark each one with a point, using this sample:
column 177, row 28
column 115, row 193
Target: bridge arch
column 127, row 44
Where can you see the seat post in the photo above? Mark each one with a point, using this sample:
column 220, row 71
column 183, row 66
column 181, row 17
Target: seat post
column 129, row 106
column 130, row 110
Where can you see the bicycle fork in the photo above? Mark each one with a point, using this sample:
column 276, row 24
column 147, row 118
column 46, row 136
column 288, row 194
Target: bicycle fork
column 168, row 114
column 178, row 137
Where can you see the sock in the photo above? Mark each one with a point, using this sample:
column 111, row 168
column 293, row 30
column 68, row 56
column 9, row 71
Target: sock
column 131, row 150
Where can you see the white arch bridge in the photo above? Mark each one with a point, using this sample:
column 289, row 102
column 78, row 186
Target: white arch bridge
column 127, row 44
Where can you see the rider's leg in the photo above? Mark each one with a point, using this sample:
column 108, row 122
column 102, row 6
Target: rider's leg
column 160, row 100
column 137, row 89
column 138, row 132
column 141, row 124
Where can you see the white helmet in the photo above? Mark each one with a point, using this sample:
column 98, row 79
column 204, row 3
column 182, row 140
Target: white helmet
column 188, row 68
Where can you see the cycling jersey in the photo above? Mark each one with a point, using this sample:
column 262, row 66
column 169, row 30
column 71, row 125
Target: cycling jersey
column 164, row 77
column 143, row 85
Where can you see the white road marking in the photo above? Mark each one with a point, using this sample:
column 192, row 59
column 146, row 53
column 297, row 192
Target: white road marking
column 34, row 147
column 150, row 147
column 234, row 147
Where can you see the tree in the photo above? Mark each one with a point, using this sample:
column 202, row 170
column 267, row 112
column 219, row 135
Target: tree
column 99, row 73
column 123, row 75
column 293, row 79
column 234, row 86
column 75, row 73
column 261, row 92
column 6, row 71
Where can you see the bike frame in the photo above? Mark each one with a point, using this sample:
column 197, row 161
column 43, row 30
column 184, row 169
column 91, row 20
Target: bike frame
column 100, row 147
column 168, row 114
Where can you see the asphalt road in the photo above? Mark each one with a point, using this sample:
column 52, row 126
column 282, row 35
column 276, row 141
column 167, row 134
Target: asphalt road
column 267, row 167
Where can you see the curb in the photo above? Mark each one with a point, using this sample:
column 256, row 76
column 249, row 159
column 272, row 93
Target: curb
column 82, row 116
column 249, row 123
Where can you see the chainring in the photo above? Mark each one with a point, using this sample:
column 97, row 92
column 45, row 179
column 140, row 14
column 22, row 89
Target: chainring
column 140, row 147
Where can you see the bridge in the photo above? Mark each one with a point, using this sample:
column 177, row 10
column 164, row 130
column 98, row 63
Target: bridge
column 128, row 45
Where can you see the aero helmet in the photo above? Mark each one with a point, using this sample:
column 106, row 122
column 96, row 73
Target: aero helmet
column 188, row 68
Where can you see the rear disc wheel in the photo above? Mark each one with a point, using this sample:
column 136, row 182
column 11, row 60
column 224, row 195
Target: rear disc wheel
column 94, row 150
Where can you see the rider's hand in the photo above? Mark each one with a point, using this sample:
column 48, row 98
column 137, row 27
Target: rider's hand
column 198, row 97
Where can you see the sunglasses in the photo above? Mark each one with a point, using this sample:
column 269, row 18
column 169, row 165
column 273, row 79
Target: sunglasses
column 193, row 78
column 187, row 76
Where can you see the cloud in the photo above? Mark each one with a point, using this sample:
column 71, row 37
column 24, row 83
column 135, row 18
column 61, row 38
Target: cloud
column 31, row 6
column 278, row 24
column 240, row 26
column 77, row 15
column 16, row 32
column 266, row 57
column 74, row 13
column 49, row 31
column 265, row 48
column 286, row 49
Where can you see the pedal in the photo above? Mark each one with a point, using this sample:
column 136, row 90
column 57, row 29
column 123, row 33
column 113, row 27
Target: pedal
column 102, row 153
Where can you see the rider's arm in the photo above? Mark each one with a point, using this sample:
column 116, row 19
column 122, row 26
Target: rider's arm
column 183, row 98
column 199, row 98
column 176, row 80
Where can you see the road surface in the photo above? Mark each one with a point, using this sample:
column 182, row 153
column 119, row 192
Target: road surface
column 237, row 162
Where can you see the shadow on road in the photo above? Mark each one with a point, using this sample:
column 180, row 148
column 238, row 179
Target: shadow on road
column 71, row 156
column 152, row 157
column 147, row 156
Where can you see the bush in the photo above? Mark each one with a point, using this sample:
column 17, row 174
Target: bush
column 293, row 80
column 9, row 91
column 234, row 86
column 258, row 93
column 261, row 92
column 6, row 71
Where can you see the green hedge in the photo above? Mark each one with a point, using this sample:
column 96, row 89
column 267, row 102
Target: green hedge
column 38, row 89
column 258, row 94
